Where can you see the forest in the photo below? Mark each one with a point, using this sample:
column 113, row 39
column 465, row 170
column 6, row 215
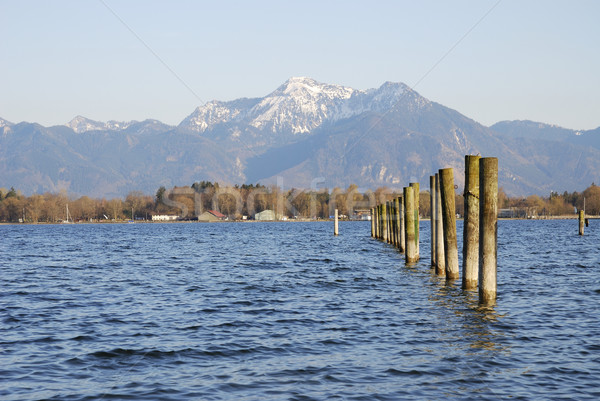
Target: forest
column 246, row 200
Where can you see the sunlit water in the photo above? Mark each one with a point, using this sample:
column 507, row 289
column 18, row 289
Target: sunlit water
column 287, row 311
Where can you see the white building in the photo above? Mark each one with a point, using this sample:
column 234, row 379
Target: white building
column 265, row 215
column 164, row 217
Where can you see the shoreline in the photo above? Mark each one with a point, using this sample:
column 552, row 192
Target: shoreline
column 563, row 217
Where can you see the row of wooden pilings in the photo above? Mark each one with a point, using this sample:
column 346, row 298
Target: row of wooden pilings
column 397, row 223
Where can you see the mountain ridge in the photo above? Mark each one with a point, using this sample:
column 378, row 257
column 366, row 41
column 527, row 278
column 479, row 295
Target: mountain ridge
column 305, row 133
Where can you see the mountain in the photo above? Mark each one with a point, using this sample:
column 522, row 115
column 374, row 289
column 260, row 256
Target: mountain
column 294, row 110
column 81, row 124
column 303, row 134
column 532, row 130
column 107, row 163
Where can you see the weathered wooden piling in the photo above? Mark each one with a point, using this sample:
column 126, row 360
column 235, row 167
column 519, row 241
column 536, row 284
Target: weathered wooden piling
column 470, row 261
column 415, row 187
column 389, row 221
column 401, row 225
column 488, row 228
column 581, row 221
column 449, row 216
column 432, row 217
column 336, row 230
column 397, row 222
column 385, row 222
column 440, row 268
column 410, row 251
column 372, row 222
column 376, row 209
column 379, row 222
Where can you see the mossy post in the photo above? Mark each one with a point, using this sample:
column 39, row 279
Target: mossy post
column 379, row 224
column 391, row 219
column 415, row 187
column 488, row 228
column 397, row 221
column 432, row 217
column 409, row 219
column 470, row 261
column 372, row 222
column 449, row 216
column 581, row 221
column 385, row 222
column 440, row 268
column 402, row 225
column 390, row 222
column 336, row 230
column 378, row 221
column 376, row 217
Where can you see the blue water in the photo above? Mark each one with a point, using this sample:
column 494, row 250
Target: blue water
column 287, row 311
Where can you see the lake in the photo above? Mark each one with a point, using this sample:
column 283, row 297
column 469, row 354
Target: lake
column 287, row 311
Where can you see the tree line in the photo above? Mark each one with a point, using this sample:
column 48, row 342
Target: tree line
column 246, row 200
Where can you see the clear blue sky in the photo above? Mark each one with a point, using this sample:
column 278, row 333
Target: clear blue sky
column 537, row 60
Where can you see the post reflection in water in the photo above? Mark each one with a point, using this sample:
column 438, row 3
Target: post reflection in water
column 471, row 334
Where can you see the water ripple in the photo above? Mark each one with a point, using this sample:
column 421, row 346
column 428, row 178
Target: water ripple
column 290, row 312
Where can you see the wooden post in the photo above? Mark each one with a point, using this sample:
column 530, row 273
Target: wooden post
column 381, row 222
column 440, row 268
column 488, row 228
column 377, row 221
column 449, row 216
column 379, row 225
column 415, row 187
column 376, row 210
column 409, row 219
column 384, row 218
column 432, row 217
column 470, row 267
column 384, row 206
column 397, row 221
column 389, row 222
column 372, row 223
column 336, row 230
column 402, row 239
column 581, row 221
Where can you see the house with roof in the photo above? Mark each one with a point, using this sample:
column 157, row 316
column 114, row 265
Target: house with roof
column 212, row 215
column 265, row 215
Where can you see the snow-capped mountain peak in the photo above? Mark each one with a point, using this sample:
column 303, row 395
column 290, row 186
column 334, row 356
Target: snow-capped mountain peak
column 4, row 123
column 298, row 106
column 81, row 124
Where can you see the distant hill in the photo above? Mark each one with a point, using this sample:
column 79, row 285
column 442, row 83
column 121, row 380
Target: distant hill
column 304, row 134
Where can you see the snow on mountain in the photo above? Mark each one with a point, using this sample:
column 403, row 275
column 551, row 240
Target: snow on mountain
column 5, row 126
column 299, row 106
column 4, row 123
column 211, row 114
column 82, row 124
